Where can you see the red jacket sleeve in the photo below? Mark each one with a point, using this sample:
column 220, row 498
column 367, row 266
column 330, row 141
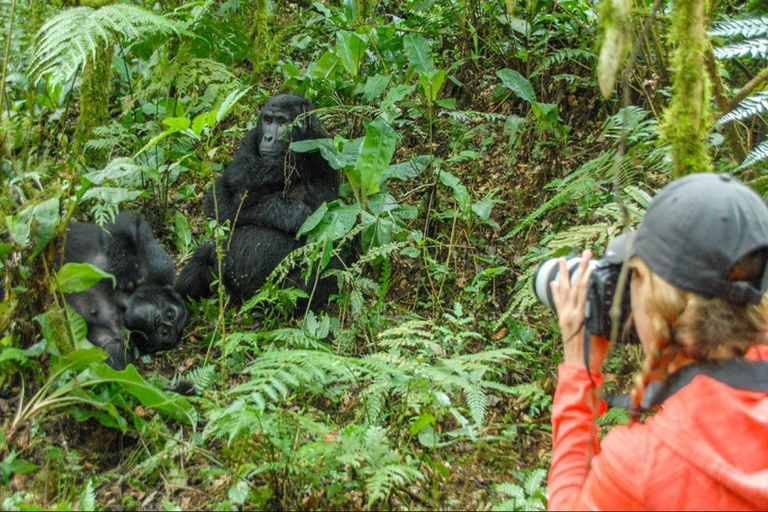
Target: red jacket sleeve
column 574, row 441
column 578, row 479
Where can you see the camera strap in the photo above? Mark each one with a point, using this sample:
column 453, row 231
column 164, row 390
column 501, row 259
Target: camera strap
column 737, row 373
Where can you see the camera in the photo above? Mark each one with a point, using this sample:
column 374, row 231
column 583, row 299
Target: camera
column 601, row 291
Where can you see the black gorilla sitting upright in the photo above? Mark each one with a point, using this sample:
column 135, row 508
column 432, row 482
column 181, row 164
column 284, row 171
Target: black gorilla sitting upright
column 143, row 302
column 266, row 192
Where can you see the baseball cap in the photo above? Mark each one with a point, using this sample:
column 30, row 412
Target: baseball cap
column 695, row 231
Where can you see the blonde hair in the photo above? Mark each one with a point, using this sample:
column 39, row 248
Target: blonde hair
column 691, row 328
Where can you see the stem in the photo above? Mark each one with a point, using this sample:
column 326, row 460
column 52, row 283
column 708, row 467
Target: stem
column 6, row 54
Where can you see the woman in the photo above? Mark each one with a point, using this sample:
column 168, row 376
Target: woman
column 698, row 283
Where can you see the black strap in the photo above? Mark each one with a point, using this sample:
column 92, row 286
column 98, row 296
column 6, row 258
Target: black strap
column 737, row 373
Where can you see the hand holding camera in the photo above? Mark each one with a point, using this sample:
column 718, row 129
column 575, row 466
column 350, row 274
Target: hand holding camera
column 569, row 295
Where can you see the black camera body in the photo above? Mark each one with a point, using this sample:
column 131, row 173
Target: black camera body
column 600, row 294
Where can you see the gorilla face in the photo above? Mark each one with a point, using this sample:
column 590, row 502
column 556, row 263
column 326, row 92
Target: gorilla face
column 275, row 131
column 156, row 316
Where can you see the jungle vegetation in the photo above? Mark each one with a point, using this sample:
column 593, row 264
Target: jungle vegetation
column 506, row 133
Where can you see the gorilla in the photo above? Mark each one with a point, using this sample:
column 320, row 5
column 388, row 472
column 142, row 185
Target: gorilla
column 266, row 193
column 143, row 302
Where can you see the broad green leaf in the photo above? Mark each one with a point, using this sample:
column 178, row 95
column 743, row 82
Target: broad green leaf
column 419, row 53
column 313, row 220
column 47, row 217
column 44, row 215
column 326, row 66
column 431, row 83
column 350, row 49
column 334, row 158
column 76, row 360
column 200, row 122
column 374, row 86
column 172, row 405
column 375, row 155
column 115, row 169
column 407, row 170
column 484, row 208
column 177, row 123
column 112, row 195
column 229, row 103
column 5, row 249
column 518, row 84
column 460, row 192
column 13, row 354
column 396, row 95
column 79, row 328
column 238, row 493
column 76, row 277
column 183, row 232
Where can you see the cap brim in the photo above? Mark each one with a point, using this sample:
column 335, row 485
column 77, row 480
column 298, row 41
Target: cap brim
column 619, row 247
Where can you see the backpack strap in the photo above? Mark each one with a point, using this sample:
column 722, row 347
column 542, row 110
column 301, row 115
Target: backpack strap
column 737, row 373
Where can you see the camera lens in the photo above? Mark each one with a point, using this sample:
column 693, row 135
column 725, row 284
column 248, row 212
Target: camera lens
column 548, row 272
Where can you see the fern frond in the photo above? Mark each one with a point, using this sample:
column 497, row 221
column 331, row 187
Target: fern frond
column 750, row 106
column 202, row 377
column 562, row 55
column 274, row 375
column 69, row 39
column 384, row 480
column 752, row 27
column 412, row 333
column 758, row 154
column 757, row 48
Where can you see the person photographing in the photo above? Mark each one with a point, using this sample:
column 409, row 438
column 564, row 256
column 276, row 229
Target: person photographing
column 698, row 278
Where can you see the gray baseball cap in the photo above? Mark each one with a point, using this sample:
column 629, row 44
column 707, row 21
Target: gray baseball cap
column 695, row 230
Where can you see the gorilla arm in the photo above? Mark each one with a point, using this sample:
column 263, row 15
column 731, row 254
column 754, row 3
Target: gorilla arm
column 247, row 177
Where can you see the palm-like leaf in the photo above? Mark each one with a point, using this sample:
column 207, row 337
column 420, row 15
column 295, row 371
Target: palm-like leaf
column 757, row 48
column 66, row 41
column 745, row 28
column 751, row 106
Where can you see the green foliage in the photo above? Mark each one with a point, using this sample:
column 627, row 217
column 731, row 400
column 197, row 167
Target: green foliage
column 754, row 104
column 528, row 496
column 69, row 39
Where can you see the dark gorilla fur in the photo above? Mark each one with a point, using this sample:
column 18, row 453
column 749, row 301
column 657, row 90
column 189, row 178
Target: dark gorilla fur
column 266, row 192
column 143, row 302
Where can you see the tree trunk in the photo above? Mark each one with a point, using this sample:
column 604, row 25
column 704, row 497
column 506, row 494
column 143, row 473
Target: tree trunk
column 688, row 118
column 94, row 103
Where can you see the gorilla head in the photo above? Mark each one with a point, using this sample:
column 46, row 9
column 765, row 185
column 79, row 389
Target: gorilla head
column 155, row 316
column 276, row 129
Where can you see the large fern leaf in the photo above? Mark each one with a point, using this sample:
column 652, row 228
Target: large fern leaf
column 757, row 48
column 751, row 106
column 745, row 28
column 66, row 41
column 758, row 154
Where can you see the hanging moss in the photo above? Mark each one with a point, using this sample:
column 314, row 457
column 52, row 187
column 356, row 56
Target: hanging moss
column 94, row 102
column 260, row 34
column 687, row 119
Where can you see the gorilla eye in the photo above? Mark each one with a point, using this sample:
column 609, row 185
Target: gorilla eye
column 169, row 314
column 94, row 312
column 164, row 331
column 268, row 119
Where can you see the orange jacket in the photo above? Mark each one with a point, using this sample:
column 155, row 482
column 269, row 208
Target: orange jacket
column 706, row 449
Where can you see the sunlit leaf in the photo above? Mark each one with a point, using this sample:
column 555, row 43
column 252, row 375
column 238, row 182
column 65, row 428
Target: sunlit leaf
column 76, row 277
column 518, row 84
column 419, row 53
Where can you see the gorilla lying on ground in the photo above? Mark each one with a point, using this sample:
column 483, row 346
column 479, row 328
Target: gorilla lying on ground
column 143, row 301
column 266, row 192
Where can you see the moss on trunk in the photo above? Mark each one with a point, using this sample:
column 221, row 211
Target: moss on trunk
column 94, row 102
column 687, row 118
